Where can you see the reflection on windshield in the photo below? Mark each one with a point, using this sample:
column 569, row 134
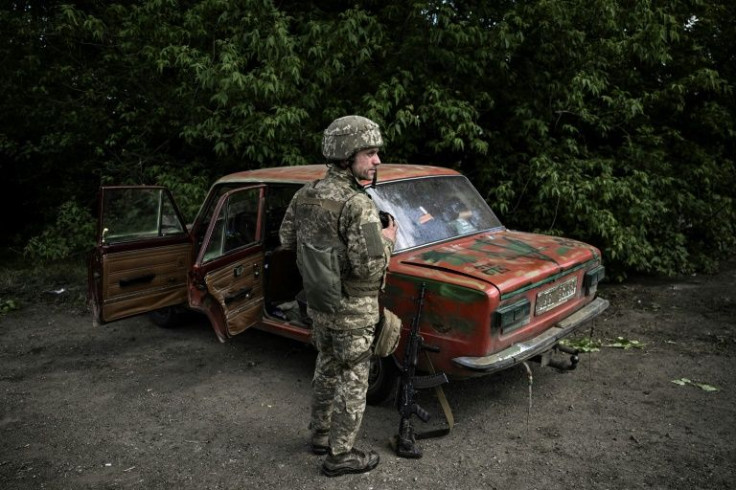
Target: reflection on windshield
column 433, row 209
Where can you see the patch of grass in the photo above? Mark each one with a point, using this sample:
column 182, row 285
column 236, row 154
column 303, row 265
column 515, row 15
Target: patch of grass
column 7, row 305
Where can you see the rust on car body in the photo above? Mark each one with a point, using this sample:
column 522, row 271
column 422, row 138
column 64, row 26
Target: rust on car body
column 494, row 297
column 387, row 172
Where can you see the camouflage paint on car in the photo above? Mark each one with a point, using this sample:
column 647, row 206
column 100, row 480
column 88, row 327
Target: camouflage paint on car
column 470, row 277
column 506, row 259
column 467, row 278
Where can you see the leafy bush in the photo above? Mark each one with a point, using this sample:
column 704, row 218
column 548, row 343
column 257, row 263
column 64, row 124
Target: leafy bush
column 8, row 305
column 71, row 234
column 188, row 188
column 601, row 121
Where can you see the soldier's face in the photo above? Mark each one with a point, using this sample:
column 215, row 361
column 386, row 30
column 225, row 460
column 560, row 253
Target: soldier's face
column 365, row 164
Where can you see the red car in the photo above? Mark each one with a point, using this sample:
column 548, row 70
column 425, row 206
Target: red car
column 493, row 297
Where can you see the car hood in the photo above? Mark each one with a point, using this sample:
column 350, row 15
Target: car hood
column 508, row 260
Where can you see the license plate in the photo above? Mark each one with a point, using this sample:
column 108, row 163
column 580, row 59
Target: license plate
column 555, row 296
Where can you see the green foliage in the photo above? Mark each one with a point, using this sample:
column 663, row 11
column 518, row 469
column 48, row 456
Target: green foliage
column 587, row 344
column 625, row 344
column 583, row 344
column 8, row 305
column 607, row 138
column 689, row 382
column 72, row 232
column 188, row 189
column 605, row 122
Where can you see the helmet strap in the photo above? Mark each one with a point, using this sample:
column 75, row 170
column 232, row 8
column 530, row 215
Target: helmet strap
column 345, row 164
column 350, row 161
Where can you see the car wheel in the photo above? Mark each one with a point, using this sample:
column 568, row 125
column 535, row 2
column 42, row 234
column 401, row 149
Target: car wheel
column 168, row 317
column 382, row 379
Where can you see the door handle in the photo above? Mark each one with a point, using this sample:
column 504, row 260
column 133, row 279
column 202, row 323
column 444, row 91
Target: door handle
column 242, row 294
column 135, row 281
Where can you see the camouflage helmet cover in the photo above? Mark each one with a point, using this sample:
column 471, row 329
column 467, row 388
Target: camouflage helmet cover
column 349, row 134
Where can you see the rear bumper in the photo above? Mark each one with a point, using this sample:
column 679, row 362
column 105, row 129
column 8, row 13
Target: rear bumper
column 523, row 351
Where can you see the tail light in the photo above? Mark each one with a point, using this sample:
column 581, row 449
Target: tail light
column 592, row 278
column 510, row 317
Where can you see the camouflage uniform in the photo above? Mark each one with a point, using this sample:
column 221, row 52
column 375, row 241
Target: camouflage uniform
column 344, row 337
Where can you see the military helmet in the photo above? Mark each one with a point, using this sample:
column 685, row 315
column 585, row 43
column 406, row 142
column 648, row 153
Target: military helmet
column 388, row 332
column 349, row 134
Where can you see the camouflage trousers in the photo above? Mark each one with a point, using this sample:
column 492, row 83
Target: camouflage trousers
column 340, row 383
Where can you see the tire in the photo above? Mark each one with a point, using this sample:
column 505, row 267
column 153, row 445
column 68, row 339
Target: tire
column 168, row 317
column 382, row 379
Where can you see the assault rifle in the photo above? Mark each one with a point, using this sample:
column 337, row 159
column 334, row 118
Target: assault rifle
column 405, row 441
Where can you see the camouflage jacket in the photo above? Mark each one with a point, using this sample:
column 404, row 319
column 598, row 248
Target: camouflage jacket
column 365, row 252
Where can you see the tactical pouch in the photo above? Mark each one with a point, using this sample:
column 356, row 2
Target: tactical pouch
column 320, row 270
column 387, row 335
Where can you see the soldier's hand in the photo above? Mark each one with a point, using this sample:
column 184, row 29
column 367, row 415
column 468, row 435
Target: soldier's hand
column 389, row 232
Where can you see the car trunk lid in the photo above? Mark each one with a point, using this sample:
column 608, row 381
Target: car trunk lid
column 509, row 260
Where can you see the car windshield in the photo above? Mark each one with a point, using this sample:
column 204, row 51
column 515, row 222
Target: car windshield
column 433, row 209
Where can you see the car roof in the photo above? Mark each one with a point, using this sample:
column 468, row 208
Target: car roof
column 307, row 173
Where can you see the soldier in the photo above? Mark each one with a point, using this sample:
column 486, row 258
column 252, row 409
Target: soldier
column 342, row 254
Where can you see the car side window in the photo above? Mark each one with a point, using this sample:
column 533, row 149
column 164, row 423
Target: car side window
column 204, row 217
column 235, row 225
column 138, row 213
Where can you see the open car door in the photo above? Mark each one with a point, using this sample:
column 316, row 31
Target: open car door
column 227, row 276
column 143, row 253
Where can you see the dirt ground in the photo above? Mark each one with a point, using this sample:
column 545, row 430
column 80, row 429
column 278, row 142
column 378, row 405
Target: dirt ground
column 131, row 405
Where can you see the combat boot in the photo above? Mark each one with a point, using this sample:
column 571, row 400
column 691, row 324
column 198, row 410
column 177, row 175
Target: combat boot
column 320, row 442
column 354, row 461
